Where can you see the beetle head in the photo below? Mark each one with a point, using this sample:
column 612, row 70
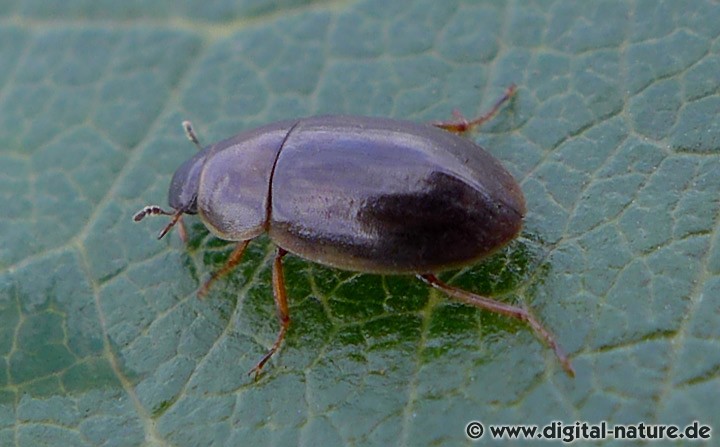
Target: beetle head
column 182, row 195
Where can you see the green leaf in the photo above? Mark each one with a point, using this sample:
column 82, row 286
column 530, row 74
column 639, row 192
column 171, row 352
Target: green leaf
column 614, row 136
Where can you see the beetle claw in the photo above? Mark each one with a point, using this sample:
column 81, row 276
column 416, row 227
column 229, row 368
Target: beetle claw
column 257, row 369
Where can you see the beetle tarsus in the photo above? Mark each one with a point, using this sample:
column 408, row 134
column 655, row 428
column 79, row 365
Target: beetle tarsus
column 505, row 309
column 283, row 312
column 232, row 262
column 460, row 124
column 190, row 133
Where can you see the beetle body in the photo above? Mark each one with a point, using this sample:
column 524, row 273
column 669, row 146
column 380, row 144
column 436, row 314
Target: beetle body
column 364, row 194
column 357, row 193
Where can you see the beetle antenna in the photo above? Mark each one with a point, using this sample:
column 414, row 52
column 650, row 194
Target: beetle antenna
column 154, row 210
column 190, row 133
column 150, row 210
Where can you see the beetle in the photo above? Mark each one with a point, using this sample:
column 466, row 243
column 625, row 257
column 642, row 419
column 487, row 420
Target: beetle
column 372, row 195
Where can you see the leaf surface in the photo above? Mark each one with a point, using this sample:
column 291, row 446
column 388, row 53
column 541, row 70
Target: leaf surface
column 614, row 136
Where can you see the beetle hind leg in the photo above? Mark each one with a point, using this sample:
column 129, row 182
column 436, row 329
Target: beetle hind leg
column 505, row 309
column 283, row 312
column 460, row 124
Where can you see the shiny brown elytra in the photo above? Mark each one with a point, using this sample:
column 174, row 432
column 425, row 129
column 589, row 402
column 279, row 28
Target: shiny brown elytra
column 365, row 194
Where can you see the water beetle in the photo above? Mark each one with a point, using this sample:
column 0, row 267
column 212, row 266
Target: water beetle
column 365, row 194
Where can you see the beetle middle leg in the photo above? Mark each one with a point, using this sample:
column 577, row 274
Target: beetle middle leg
column 505, row 309
column 459, row 124
column 283, row 312
column 232, row 262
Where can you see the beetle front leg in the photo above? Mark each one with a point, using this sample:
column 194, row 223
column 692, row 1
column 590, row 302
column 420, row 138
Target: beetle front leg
column 283, row 312
column 504, row 309
column 461, row 125
column 182, row 231
column 232, row 262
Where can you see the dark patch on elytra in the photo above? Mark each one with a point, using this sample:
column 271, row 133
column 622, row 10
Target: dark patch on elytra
column 447, row 223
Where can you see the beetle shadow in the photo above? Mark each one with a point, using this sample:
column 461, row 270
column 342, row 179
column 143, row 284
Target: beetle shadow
column 381, row 319
column 348, row 318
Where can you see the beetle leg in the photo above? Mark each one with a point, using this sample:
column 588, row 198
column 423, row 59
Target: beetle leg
column 459, row 124
column 190, row 133
column 177, row 217
column 232, row 262
column 283, row 312
column 505, row 309
column 182, row 231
